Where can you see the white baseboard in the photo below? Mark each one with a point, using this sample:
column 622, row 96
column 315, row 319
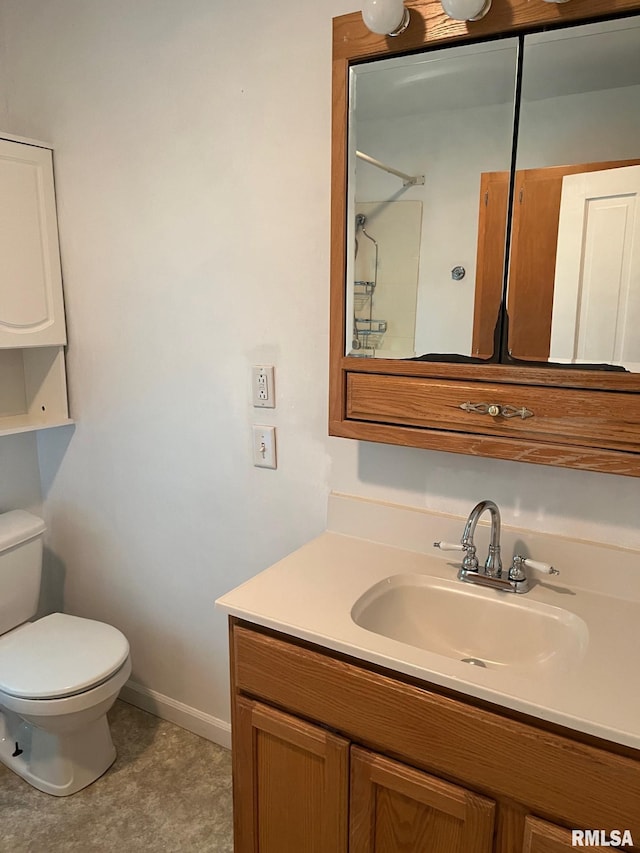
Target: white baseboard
column 195, row 721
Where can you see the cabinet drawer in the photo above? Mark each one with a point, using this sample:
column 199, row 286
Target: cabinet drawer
column 494, row 755
column 604, row 419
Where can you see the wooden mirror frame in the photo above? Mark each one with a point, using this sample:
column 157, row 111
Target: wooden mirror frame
column 570, row 418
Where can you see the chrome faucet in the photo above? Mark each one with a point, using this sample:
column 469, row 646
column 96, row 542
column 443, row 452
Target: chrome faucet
column 493, row 563
column 491, row 573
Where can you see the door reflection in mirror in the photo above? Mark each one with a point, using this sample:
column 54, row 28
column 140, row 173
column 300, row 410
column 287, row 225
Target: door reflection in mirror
column 574, row 272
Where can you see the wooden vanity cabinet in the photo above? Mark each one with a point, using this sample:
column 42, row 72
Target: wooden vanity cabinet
column 333, row 755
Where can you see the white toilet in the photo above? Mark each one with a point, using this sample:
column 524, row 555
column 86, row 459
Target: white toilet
column 58, row 676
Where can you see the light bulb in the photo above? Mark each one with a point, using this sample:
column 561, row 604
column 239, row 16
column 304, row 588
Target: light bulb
column 385, row 17
column 466, row 10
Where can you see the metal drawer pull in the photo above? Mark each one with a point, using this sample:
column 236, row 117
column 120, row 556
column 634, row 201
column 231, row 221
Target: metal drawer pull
column 494, row 409
column 513, row 412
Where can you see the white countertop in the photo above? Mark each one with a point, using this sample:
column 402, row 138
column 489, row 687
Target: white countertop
column 310, row 595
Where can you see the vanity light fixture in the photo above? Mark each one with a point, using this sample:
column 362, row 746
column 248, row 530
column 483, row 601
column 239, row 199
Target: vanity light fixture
column 466, row 10
column 385, row 17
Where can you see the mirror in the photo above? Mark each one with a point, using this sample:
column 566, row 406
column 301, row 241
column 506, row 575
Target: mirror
column 425, row 261
column 574, row 270
column 422, row 131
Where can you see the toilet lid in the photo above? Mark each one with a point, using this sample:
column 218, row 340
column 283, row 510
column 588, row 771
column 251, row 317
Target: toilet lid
column 59, row 655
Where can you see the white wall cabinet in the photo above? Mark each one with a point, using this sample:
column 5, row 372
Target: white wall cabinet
column 33, row 388
column 31, row 306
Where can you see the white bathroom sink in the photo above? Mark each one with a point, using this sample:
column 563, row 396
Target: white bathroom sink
column 472, row 624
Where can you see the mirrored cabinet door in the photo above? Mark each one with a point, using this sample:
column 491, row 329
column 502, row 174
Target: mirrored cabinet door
column 574, row 271
column 427, row 133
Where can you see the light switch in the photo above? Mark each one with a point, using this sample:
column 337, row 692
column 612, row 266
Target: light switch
column 264, row 446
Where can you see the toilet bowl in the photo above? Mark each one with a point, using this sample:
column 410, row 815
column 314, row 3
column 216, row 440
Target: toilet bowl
column 59, row 676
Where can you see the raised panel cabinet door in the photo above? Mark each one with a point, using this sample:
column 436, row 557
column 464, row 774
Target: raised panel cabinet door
column 291, row 784
column 31, row 302
column 397, row 809
column 543, row 837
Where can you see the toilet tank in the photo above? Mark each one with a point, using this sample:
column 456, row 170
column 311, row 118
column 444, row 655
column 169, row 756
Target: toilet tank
column 20, row 567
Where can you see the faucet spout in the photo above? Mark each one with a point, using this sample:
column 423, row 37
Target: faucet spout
column 493, row 564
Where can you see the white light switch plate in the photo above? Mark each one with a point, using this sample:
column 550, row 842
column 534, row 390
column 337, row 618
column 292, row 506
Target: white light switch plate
column 264, row 446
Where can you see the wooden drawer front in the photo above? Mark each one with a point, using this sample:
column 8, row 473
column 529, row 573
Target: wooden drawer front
column 607, row 419
column 494, row 755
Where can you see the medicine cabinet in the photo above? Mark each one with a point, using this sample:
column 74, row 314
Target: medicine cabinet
column 464, row 313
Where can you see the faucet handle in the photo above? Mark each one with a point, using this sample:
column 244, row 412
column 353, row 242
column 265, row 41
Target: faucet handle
column 517, row 573
column 543, row 568
column 449, row 546
column 470, row 562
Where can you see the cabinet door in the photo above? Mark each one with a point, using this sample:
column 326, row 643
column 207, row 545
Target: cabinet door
column 543, row 837
column 396, row 809
column 290, row 784
column 31, row 304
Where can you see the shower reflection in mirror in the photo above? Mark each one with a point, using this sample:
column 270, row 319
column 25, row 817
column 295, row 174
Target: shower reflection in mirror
column 423, row 130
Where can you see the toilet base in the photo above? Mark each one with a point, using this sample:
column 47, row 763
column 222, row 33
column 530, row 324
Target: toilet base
column 56, row 763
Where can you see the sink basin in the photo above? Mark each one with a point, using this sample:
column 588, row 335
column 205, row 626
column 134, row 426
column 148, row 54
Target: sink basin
column 477, row 625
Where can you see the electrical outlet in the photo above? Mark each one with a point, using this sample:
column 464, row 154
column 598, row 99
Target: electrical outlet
column 263, row 387
column 264, row 446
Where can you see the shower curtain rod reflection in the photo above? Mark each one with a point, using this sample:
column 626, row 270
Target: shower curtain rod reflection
column 407, row 180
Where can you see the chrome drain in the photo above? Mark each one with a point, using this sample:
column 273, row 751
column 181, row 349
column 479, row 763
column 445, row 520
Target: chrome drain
column 474, row 662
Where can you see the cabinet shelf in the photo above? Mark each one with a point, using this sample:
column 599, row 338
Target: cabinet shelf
column 34, row 389
column 14, row 425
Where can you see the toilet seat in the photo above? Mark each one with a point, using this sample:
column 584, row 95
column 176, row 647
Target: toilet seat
column 59, row 656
